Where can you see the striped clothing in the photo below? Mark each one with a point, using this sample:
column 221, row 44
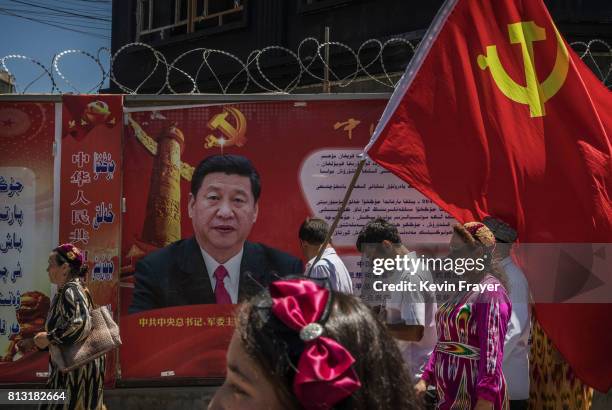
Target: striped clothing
column 69, row 321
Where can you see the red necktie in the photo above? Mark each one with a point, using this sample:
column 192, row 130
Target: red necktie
column 221, row 294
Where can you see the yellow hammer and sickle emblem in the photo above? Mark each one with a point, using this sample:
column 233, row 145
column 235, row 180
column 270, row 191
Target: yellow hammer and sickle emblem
column 534, row 94
column 235, row 134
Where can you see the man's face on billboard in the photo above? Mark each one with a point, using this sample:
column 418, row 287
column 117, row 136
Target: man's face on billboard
column 223, row 213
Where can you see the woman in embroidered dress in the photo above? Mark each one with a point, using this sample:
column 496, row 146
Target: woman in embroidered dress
column 466, row 364
column 302, row 346
column 68, row 322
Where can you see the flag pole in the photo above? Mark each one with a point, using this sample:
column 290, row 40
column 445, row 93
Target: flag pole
column 347, row 196
column 403, row 84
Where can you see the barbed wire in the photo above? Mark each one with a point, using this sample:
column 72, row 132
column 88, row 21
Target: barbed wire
column 369, row 61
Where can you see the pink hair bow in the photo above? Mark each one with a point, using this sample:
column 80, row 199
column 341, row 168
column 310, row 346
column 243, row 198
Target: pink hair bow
column 324, row 374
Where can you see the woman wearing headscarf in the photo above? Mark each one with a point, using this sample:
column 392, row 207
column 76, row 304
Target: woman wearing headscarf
column 69, row 322
column 466, row 364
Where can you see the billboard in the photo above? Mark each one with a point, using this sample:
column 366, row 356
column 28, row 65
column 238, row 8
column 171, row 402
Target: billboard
column 123, row 178
column 305, row 153
column 27, row 133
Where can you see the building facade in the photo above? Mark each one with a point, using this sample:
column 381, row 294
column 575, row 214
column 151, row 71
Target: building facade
column 7, row 83
column 181, row 29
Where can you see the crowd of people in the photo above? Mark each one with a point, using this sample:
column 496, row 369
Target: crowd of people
column 307, row 340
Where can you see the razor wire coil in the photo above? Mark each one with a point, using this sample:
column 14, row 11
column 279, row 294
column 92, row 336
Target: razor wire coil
column 251, row 74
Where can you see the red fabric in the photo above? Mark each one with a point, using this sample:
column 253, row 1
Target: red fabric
column 26, row 369
column 190, row 341
column 89, row 184
column 457, row 138
column 221, row 295
column 324, row 373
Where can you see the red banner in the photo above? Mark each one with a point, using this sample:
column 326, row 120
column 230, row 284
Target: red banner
column 27, row 132
column 181, row 342
column 496, row 115
column 90, row 204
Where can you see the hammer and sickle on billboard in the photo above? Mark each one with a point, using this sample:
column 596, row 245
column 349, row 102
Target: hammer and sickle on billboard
column 535, row 93
column 233, row 132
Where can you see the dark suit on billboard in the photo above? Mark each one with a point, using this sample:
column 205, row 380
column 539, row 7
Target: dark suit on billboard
column 176, row 275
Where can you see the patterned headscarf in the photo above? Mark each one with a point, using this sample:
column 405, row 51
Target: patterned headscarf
column 481, row 234
column 71, row 253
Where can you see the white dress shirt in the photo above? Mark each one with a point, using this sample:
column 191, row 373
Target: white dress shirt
column 516, row 345
column 331, row 266
column 232, row 280
column 415, row 308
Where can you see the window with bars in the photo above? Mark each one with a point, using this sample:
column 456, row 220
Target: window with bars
column 159, row 20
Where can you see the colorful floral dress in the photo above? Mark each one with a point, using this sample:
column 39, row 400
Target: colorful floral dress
column 69, row 321
column 467, row 362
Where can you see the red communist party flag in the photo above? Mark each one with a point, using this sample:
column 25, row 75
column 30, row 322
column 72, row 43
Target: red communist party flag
column 496, row 115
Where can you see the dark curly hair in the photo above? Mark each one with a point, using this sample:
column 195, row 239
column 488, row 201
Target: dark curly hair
column 313, row 231
column 379, row 364
column 376, row 231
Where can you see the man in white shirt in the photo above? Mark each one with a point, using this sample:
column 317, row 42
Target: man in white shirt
column 415, row 308
column 330, row 267
column 410, row 315
column 516, row 345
